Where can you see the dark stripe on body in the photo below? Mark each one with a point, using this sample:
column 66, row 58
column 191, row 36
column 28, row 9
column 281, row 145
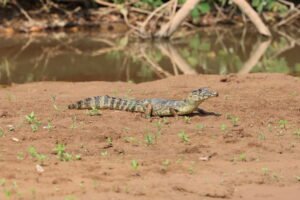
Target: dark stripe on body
column 106, row 101
column 87, row 102
column 112, row 101
column 123, row 104
column 131, row 106
column 119, row 101
column 97, row 101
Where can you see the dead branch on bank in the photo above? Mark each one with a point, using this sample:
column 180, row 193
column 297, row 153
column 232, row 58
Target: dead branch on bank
column 171, row 52
column 253, row 16
column 255, row 57
column 169, row 28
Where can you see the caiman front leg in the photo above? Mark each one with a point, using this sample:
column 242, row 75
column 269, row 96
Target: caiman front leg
column 148, row 111
column 173, row 112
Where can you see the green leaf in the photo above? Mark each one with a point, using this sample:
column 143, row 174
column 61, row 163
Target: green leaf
column 204, row 7
column 195, row 13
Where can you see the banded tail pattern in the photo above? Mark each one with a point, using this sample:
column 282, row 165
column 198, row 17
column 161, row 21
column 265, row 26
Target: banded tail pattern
column 107, row 102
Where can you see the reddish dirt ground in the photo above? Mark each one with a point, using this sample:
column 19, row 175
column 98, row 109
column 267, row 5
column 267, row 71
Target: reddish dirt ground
column 249, row 152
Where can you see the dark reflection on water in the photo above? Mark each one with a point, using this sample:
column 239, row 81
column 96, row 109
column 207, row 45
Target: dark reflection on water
column 89, row 56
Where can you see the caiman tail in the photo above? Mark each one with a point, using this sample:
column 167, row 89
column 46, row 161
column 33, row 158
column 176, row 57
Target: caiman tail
column 107, row 102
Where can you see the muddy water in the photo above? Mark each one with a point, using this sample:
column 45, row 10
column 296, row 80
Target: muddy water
column 90, row 56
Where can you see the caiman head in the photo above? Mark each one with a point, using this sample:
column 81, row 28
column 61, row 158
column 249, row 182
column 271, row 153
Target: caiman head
column 201, row 95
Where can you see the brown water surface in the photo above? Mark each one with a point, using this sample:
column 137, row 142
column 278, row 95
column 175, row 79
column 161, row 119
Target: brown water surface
column 89, row 56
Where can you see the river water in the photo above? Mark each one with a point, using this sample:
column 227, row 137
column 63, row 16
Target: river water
column 90, row 56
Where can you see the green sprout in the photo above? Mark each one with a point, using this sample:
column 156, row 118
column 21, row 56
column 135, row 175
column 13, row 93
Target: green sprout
column 282, row 123
column 165, row 165
column 261, row 136
column 187, row 119
column 49, row 126
column 33, row 121
column 94, row 111
column 74, row 122
column 34, row 154
column 183, row 136
column 31, row 118
column 60, row 151
column 109, row 141
column 53, row 98
column 103, row 153
column 2, row 181
column 134, row 164
column 241, row 157
column 20, row 156
column 1, row 132
column 149, row 139
column 297, row 132
column 223, row 127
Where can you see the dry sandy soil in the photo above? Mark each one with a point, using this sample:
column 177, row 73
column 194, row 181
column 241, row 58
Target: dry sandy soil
column 251, row 151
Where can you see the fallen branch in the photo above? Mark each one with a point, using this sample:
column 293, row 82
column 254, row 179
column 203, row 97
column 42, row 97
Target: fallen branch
column 253, row 16
column 255, row 57
column 170, row 51
column 157, row 69
column 169, row 28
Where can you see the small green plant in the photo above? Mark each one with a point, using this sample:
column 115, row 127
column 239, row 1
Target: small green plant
column 223, row 127
column 149, row 139
column 282, row 123
column 134, row 164
column 34, row 127
column 265, row 170
column 31, row 118
column 34, row 154
column 1, row 132
column 261, row 136
column 49, row 126
column 270, row 128
column 183, row 136
column 103, row 153
column 165, row 165
column 241, row 157
column 53, row 98
column 70, row 197
column 2, row 181
column 94, row 111
column 33, row 121
column 20, row 156
column 78, row 157
column 129, row 139
column 60, row 151
column 297, row 132
column 187, row 119
column 7, row 193
column 200, row 127
column 74, row 122
column 191, row 168
column 234, row 120
column 159, row 125
column 109, row 141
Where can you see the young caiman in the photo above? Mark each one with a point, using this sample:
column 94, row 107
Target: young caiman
column 150, row 107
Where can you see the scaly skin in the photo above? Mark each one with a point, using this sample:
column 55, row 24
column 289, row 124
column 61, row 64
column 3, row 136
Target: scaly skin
column 150, row 107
